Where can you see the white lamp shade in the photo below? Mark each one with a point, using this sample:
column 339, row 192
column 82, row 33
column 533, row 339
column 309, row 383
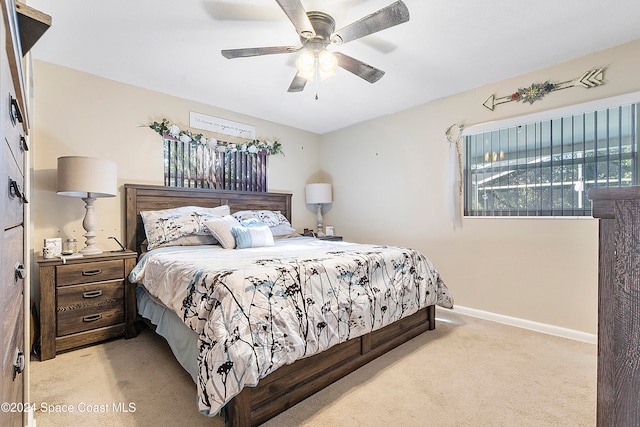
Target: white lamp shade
column 319, row 193
column 87, row 177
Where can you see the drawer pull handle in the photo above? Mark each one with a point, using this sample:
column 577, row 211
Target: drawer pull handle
column 91, row 294
column 16, row 191
column 23, row 143
column 18, row 365
column 92, row 318
column 19, row 272
column 93, row 272
column 14, row 112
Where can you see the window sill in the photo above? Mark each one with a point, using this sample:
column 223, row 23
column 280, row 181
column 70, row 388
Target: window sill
column 532, row 217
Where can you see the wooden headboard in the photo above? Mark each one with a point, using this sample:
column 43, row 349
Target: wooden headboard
column 151, row 197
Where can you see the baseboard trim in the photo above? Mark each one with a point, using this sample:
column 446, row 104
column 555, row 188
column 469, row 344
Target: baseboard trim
column 528, row 324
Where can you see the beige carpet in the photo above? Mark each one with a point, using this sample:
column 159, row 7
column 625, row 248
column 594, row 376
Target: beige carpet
column 468, row 372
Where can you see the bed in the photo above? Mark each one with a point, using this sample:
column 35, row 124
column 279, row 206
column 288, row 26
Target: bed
column 288, row 368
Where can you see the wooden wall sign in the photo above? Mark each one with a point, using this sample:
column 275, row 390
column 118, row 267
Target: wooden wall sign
column 221, row 126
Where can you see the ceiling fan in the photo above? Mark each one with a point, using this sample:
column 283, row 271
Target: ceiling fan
column 317, row 31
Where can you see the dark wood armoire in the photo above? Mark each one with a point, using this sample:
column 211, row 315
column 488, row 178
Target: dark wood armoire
column 21, row 28
column 618, row 211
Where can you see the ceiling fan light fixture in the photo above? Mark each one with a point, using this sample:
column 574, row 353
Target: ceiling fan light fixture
column 321, row 65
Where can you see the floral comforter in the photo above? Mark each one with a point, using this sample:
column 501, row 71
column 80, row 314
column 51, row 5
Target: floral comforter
column 258, row 309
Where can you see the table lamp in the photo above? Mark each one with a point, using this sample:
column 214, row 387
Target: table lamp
column 318, row 194
column 89, row 179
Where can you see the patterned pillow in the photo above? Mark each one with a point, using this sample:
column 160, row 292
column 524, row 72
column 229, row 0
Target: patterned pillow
column 254, row 236
column 221, row 229
column 180, row 226
column 270, row 218
column 278, row 223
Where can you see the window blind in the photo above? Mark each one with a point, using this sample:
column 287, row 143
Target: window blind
column 545, row 168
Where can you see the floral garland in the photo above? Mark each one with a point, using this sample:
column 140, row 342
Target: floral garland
column 172, row 131
column 534, row 92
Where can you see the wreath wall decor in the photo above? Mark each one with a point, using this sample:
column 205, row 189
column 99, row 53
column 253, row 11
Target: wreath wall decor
column 592, row 78
column 455, row 190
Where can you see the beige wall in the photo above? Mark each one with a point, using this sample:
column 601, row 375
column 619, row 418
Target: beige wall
column 81, row 114
column 543, row 270
column 389, row 178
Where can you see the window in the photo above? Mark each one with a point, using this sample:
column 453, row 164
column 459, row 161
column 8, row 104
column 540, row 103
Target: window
column 546, row 167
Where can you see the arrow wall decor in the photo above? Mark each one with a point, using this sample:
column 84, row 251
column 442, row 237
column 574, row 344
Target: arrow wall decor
column 536, row 91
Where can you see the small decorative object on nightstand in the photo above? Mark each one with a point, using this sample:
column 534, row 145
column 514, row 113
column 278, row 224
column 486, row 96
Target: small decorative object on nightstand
column 85, row 300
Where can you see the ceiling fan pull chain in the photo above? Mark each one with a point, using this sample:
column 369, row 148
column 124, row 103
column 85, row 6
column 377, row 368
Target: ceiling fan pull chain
column 317, row 77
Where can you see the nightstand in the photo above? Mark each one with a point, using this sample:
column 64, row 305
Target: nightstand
column 331, row 238
column 85, row 300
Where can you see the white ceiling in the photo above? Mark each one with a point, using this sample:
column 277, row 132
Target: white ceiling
column 448, row 46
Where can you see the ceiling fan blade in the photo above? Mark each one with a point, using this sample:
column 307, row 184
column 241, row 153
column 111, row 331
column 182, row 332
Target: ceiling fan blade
column 298, row 17
column 298, row 84
column 359, row 68
column 257, row 51
column 387, row 17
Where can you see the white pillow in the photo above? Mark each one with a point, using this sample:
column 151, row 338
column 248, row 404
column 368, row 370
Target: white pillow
column 165, row 227
column 220, row 228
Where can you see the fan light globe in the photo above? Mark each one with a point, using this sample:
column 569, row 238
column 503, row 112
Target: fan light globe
column 306, row 63
column 327, row 62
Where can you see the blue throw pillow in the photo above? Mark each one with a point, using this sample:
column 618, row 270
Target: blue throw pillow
column 255, row 236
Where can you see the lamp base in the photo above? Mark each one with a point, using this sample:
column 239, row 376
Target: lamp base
column 89, row 224
column 319, row 233
column 90, row 250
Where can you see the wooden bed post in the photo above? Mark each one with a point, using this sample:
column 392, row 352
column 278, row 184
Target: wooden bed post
column 431, row 313
column 239, row 409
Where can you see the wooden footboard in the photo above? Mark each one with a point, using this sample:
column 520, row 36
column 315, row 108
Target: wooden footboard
column 293, row 383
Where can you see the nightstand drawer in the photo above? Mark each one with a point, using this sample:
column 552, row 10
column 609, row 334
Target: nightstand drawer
column 84, row 307
column 73, row 274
